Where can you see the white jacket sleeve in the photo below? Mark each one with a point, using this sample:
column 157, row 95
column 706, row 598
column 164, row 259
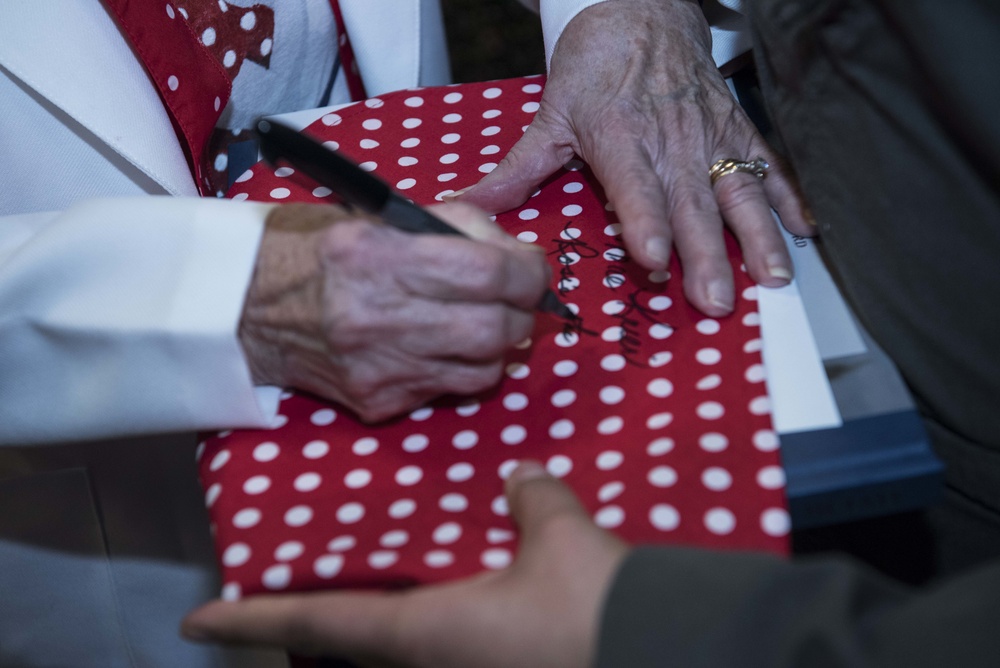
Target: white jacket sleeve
column 730, row 31
column 119, row 316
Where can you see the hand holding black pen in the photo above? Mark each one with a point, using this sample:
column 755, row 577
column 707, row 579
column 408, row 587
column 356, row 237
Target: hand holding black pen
column 363, row 190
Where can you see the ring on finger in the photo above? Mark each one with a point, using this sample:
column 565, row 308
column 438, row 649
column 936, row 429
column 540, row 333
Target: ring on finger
column 727, row 166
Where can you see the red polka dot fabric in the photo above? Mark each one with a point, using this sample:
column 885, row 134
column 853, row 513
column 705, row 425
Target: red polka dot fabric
column 657, row 416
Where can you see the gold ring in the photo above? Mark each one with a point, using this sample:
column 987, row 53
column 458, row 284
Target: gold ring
column 728, row 166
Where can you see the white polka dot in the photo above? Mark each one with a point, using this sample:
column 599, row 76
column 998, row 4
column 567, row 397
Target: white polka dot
column 609, row 517
column 492, row 93
column 614, row 280
column 664, row 517
column 415, row 443
column 460, row 472
column 766, row 440
column 411, row 123
column 413, row 102
column 496, row 558
column 368, row 144
column 172, row 82
column 266, row 452
column 277, row 577
column 492, row 149
column 760, row 405
column 447, row 533
column 246, row 518
column 518, row 370
column 444, row 178
column 611, row 395
column 371, row 124
column 170, row 11
column 660, row 303
column 613, row 362
column 265, row 46
column 406, row 184
column 315, row 449
column 231, row 591
column 709, row 382
column 610, row 425
column 212, row 494
column 573, row 187
column 451, row 138
column 662, row 476
column 515, row 401
column 452, row 118
column 771, row 477
column 561, row 429
column 713, row 442
column 332, row 119
column 716, row 479
column 528, row 214
column 382, row 559
column 219, row 460
column 323, row 417
column 229, row 59
column 613, row 230
column 349, row 513
column 563, row 398
column 298, row 516
column 409, row 475
column 407, row 161
column 248, row 21
column 659, row 420
column 328, row 566
column 342, row 544
column 239, row 197
column 559, row 465
column 439, row 559
column 245, row 176
column 660, row 446
column 402, row 509
column 465, row 439
column 610, row 491
column 755, row 373
column 720, row 521
column 453, row 503
column 321, row 191
column 752, row 319
column 280, row 193
column 513, row 434
column 258, row 484
column 506, row 468
column 613, row 307
column 710, row 410
column 567, row 339
column 394, row 538
column 775, row 522
column 307, row 482
column 410, row 142
column 529, row 107
column 708, row 326
column 373, row 102
column 365, row 446
column 289, row 550
column 708, row 356
column 659, row 359
column 659, row 276
column 499, row 506
column 571, row 210
column 357, row 478
column 490, row 131
column 609, row 459
column 565, row 368
column 452, row 98
column 659, row 331
column 236, row 554
column 660, row 388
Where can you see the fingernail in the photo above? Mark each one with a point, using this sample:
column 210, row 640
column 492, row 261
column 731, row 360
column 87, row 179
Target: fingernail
column 456, row 194
column 808, row 216
column 720, row 295
column 777, row 268
column 528, row 470
column 658, row 250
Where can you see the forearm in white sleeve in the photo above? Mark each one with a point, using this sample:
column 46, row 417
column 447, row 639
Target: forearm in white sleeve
column 120, row 316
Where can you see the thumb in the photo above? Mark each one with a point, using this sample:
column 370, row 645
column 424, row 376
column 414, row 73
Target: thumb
column 536, row 498
column 533, row 158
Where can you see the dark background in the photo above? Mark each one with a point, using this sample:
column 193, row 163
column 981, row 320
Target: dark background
column 492, row 39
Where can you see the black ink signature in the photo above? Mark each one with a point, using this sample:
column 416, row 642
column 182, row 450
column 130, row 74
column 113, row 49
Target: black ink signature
column 565, row 246
column 629, row 319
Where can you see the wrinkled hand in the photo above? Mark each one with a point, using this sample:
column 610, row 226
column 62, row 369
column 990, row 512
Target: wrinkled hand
column 381, row 320
column 633, row 90
column 543, row 610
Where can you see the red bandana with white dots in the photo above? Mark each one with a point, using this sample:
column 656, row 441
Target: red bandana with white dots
column 656, row 415
column 193, row 50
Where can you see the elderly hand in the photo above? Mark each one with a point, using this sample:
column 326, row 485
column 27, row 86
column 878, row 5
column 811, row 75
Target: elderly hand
column 543, row 610
column 382, row 320
column 633, row 90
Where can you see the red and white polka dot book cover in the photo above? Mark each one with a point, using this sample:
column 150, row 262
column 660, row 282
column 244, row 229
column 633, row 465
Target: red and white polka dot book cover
column 656, row 415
